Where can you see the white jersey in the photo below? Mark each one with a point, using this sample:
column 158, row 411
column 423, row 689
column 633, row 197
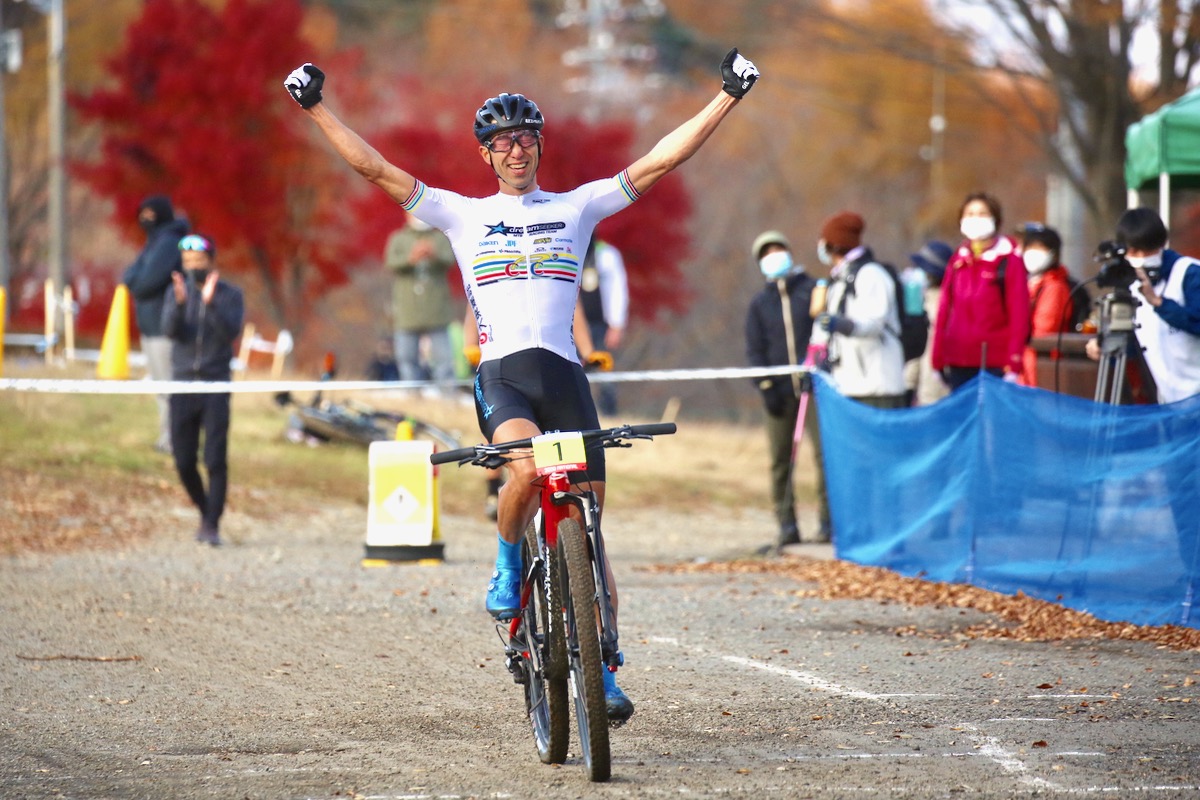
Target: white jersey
column 520, row 257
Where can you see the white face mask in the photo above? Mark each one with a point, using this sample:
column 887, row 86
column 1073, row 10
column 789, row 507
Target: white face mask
column 775, row 265
column 976, row 228
column 1151, row 263
column 823, row 254
column 1037, row 261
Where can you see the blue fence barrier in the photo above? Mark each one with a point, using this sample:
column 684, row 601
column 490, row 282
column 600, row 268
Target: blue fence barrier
column 1009, row 488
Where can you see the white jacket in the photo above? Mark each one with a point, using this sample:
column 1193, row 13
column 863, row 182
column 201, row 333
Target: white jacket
column 870, row 361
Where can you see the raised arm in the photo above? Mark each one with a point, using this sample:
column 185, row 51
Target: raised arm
column 304, row 85
column 738, row 75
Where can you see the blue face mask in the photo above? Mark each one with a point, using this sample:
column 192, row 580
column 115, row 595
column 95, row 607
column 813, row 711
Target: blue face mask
column 775, row 265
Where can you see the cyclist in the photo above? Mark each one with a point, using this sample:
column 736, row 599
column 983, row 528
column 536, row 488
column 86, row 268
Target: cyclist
column 520, row 252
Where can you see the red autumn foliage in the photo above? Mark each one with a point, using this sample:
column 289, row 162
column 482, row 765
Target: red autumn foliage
column 197, row 111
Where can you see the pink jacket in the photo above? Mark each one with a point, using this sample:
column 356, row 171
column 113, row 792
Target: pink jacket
column 976, row 311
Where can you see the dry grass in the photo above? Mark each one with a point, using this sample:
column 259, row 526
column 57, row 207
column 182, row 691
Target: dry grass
column 77, row 467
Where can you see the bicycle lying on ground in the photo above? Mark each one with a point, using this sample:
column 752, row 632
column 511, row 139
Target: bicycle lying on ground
column 566, row 630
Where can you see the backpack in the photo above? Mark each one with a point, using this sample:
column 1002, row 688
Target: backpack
column 914, row 328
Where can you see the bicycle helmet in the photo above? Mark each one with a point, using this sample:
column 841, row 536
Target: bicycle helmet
column 506, row 112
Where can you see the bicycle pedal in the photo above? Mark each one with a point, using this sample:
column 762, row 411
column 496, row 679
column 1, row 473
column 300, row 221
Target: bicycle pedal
column 516, row 665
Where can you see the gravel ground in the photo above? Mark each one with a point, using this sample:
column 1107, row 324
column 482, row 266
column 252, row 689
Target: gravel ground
column 280, row 667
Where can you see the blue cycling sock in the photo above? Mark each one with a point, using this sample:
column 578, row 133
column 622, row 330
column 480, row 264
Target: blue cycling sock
column 509, row 555
column 610, row 678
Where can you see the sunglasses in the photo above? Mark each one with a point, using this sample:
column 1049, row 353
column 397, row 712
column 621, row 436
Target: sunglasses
column 503, row 142
column 195, row 242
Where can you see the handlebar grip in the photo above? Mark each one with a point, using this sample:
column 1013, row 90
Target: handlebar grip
column 448, row 456
column 654, row 428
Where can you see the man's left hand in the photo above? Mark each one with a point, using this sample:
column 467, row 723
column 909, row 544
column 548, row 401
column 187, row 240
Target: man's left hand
column 304, row 85
column 738, row 74
column 210, row 286
column 1146, row 287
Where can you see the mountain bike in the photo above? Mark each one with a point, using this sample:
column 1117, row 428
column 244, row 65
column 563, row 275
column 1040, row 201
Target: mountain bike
column 566, row 630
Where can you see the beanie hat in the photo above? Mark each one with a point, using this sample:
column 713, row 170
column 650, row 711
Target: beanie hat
column 160, row 204
column 932, row 259
column 765, row 238
column 843, row 231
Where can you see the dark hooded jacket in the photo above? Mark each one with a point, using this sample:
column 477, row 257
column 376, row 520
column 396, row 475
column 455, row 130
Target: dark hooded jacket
column 150, row 273
column 202, row 335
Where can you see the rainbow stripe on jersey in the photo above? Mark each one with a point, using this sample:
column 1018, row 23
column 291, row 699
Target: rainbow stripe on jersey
column 557, row 266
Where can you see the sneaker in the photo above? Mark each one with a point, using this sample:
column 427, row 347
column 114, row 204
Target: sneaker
column 620, row 707
column 491, row 507
column 504, row 594
column 208, row 535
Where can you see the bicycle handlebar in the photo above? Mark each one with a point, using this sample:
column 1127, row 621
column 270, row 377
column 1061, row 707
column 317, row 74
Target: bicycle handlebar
column 466, row 455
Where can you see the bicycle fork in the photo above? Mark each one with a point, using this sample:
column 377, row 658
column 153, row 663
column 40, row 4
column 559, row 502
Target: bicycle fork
column 586, row 503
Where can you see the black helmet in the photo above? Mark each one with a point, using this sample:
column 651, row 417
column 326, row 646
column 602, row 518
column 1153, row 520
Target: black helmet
column 508, row 112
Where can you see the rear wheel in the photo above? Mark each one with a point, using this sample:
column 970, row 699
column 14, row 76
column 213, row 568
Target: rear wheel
column 583, row 647
column 546, row 662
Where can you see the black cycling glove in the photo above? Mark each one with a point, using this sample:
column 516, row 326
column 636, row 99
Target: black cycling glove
column 304, row 85
column 738, row 74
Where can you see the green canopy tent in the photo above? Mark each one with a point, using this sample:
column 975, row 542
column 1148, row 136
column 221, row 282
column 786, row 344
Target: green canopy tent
column 1164, row 148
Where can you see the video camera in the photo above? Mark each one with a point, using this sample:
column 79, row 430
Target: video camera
column 1115, row 271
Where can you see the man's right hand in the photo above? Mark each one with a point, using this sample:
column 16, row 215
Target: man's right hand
column 738, row 74
column 179, row 287
column 304, row 85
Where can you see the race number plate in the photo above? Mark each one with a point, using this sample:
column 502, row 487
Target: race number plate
column 559, row 452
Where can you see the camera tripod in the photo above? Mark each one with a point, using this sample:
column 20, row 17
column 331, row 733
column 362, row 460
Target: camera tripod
column 1116, row 328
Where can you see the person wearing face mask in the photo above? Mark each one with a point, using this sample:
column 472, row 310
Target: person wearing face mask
column 147, row 278
column 1167, row 320
column 778, row 327
column 1051, row 304
column 861, row 326
column 983, row 315
column 202, row 315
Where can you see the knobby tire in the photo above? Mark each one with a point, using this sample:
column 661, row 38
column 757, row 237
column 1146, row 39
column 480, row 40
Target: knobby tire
column 546, row 669
column 583, row 638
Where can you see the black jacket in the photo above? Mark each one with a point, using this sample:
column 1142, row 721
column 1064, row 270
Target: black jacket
column 202, row 336
column 766, row 336
column 149, row 276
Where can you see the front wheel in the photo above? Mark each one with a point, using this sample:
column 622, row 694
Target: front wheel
column 546, row 678
column 583, row 647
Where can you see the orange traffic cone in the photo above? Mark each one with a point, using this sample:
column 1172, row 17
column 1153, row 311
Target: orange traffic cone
column 114, row 347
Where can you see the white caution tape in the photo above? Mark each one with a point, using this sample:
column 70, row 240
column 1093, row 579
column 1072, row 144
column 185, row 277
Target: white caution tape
column 62, row 386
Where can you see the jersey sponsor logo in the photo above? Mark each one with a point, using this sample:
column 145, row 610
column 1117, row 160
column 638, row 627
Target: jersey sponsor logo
column 543, row 240
column 557, row 265
column 540, row 200
column 502, row 229
column 546, row 226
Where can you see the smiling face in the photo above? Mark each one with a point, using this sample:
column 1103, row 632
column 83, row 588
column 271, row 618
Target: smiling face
column 516, row 168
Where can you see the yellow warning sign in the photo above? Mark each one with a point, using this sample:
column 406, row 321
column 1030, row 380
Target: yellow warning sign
column 402, row 506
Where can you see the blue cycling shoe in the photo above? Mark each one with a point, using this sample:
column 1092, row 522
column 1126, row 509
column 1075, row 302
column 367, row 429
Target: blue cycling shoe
column 620, row 707
column 504, row 594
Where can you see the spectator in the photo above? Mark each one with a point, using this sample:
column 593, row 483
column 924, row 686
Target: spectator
column 383, row 366
column 1050, row 301
column 861, row 328
column 419, row 258
column 1167, row 323
column 924, row 384
column 983, row 314
column 778, row 327
column 147, row 279
column 604, row 295
column 202, row 315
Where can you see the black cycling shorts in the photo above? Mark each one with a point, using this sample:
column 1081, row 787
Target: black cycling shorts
column 544, row 388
